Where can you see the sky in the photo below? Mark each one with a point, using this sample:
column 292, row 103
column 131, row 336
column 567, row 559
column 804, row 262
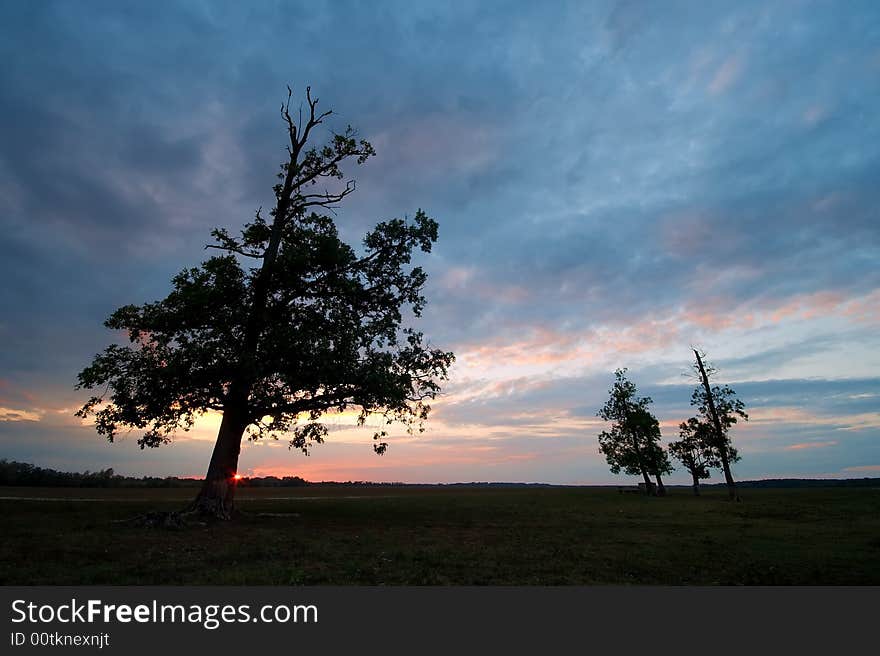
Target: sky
column 615, row 183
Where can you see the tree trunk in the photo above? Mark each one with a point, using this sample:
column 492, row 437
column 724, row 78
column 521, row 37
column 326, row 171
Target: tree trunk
column 650, row 490
column 648, row 484
column 719, row 433
column 696, row 485
column 728, row 477
column 661, row 490
column 217, row 495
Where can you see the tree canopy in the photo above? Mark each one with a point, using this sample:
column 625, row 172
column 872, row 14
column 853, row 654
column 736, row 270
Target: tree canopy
column 332, row 340
column 286, row 324
column 632, row 445
column 694, row 449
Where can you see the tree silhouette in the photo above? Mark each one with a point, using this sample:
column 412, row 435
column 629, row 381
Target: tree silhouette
column 694, row 450
column 719, row 408
column 310, row 328
column 633, row 443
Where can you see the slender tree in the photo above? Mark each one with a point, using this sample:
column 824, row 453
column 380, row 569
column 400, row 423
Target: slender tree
column 311, row 327
column 694, row 450
column 719, row 407
column 632, row 443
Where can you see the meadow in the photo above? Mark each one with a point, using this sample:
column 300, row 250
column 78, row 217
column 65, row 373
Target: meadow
column 446, row 536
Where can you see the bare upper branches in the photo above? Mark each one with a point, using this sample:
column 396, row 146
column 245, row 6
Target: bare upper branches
column 298, row 135
column 292, row 127
column 306, row 166
column 314, row 118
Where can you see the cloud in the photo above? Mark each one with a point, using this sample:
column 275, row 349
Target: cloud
column 727, row 74
column 810, row 445
column 815, row 114
column 11, row 414
column 803, row 416
column 863, row 468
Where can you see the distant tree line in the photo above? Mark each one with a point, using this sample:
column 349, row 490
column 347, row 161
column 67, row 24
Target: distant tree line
column 632, row 445
column 27, row 475
column 806, row 482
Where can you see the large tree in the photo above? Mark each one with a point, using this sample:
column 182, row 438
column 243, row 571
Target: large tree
column 286, row 324
column 632, row 445
column 719, row 408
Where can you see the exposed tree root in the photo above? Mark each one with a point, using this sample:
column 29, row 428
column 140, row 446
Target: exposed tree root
column 189, row 517
column 172, row 520
column 176, row 520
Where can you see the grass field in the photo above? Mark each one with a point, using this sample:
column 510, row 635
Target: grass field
column 442, row 536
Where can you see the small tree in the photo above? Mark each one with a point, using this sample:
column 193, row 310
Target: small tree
column 312, row 328
column 632, row 444
column 694, row 450
column 719, row 408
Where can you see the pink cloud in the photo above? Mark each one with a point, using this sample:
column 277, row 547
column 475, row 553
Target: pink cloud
column 720, row 313
column 814, row 114
column 726, row 75
column 865, row 309
column 439, row 138
column 828, row 202
column 809, row 306
column 540, row 346
column 801, row 416
column 522, row 456
column 686, row 234
column 863, row 468
column 716, row 314
column 470, row 281
column 544, row 347
column 11, row 395
column 353, row 462
column 457, row 277
column 810, row 445
column 539, row 349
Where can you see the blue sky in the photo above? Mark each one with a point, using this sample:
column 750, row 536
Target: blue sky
column 614, row 181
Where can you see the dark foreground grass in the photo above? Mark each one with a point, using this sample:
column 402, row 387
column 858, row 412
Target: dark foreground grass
column 442, row 536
